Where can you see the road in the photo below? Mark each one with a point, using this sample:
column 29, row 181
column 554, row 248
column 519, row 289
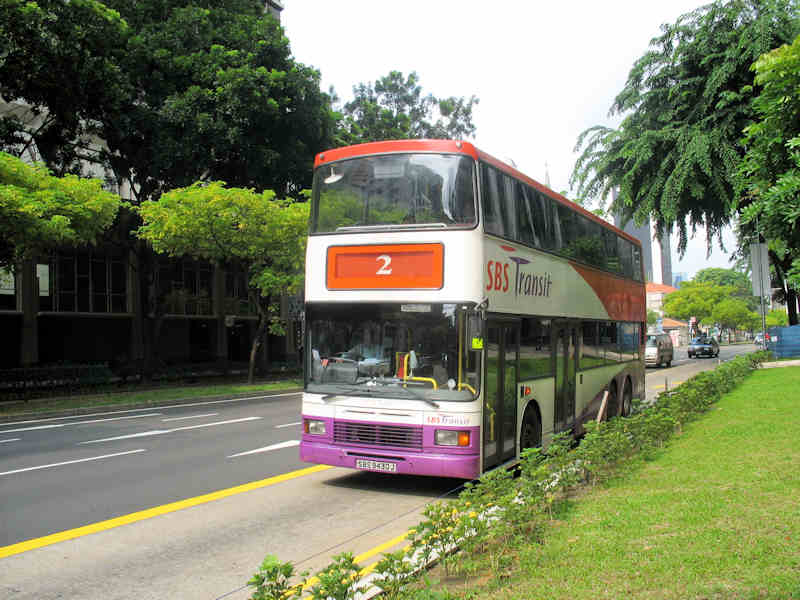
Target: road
column 113, row 469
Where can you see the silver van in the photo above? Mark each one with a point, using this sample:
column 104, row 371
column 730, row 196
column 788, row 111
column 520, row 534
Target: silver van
column 658, row 350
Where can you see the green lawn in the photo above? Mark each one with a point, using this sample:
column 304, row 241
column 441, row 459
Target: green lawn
column 714, row 515
column 142, row 398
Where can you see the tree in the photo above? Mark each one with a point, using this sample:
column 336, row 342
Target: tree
column 39, row 211
column 770, row 171
column 733, row 313
column 740, row 282
column 394, row 107
column 675, row 155
column 235, row 227
column 776, row 318
column 694, row 299
column 652, row 317
column 61, row 58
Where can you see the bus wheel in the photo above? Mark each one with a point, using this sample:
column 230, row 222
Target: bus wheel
column 531, row 433
column 612, row 408
column 626, row 399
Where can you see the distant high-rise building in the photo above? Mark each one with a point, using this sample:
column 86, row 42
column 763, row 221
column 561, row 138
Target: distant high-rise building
column 657, row 258
column 678, row 277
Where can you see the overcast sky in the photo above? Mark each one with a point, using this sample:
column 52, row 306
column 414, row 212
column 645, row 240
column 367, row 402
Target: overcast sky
column 543, row 71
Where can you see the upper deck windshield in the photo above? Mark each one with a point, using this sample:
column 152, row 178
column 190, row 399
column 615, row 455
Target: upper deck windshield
column 394, row 191
column 409, row 351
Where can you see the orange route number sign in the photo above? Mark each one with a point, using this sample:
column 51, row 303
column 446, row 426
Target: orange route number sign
column 396, row 266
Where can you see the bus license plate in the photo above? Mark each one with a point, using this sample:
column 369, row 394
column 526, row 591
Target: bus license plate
column 376, row 465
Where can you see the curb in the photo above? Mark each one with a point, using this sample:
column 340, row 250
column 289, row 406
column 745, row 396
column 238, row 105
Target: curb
column 83, row 410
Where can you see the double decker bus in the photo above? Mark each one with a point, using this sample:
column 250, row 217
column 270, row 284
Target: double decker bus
column 458, row 312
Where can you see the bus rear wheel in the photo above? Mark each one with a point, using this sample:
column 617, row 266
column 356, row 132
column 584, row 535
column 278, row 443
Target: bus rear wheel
column 612, row 407
column 531, row 432
column 627, row 394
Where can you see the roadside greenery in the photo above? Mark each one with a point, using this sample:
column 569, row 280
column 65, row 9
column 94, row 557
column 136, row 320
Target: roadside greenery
column 477, row 536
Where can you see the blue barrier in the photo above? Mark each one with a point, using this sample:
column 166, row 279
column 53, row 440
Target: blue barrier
column 784, row 342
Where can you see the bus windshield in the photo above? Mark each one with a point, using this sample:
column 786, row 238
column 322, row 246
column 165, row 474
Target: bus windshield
column 394, row 191
column 414, row 351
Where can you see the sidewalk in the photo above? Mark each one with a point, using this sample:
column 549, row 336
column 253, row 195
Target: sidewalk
column 781, row 363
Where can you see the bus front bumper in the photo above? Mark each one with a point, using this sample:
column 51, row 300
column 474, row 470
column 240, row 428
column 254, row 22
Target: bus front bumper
column 461, row 466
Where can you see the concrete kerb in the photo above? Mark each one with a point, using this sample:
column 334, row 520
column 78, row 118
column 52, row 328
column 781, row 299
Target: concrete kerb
column 105, row 408
column 780, row 363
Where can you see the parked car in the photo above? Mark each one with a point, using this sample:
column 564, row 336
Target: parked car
column 703, row 346
column 658, row 350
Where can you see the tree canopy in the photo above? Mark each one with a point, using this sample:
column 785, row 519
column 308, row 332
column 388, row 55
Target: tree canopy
column 675, row 155
column 62, row 60
column 771, row 168
column 395, row 107
column 695, row 299
column 179, row 91
column 39, row 211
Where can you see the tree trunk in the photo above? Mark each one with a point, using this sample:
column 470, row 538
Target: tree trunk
column 791, row 305
column 257, row 340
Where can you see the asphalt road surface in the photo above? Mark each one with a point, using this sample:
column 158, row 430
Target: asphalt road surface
column 125, row 499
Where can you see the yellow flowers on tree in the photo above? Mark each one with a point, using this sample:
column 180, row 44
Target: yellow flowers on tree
column 235, row 227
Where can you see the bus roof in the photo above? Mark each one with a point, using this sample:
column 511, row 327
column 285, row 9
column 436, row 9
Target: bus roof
column 457, row 147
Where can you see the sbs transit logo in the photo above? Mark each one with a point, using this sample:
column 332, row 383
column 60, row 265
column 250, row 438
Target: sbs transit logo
column 525, row 283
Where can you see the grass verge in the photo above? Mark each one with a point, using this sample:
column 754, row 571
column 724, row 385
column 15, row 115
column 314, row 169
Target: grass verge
column 140, row 398
column 716, row 514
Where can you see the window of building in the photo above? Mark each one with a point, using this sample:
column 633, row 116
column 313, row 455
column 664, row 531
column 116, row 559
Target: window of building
column 91, row 282
column 184, row 286
column 8, row 290
column 237, row 294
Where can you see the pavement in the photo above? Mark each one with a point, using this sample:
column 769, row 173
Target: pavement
column 780, row 363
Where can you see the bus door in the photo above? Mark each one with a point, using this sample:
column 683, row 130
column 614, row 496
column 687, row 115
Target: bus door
column 566, row 340
column 500, row 398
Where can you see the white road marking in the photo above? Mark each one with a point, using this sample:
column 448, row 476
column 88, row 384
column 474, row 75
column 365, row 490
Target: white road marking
column 189, row 417
column 56, row 425
column 11, row 440
column 164, row 407
column 72, row 462
column 287, row 425
column 163, row 431
column 289, row 444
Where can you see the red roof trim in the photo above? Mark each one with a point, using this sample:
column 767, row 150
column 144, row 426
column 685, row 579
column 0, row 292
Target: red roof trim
column 450, row 146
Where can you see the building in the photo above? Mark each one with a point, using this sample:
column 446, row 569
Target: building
column 656, row 292
column 656, row 256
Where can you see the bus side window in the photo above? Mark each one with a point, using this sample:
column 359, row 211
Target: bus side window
column 491, row 200
column 525, row 221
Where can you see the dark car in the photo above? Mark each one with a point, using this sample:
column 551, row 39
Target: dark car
column 703, row 346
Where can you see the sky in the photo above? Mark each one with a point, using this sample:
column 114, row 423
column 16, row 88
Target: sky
column 542, row 71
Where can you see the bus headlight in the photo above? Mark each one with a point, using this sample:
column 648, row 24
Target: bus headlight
column 451, row 437
column 314, row 426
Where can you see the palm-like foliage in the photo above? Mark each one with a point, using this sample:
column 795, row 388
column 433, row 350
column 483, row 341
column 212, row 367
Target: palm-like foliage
column 675, row 155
